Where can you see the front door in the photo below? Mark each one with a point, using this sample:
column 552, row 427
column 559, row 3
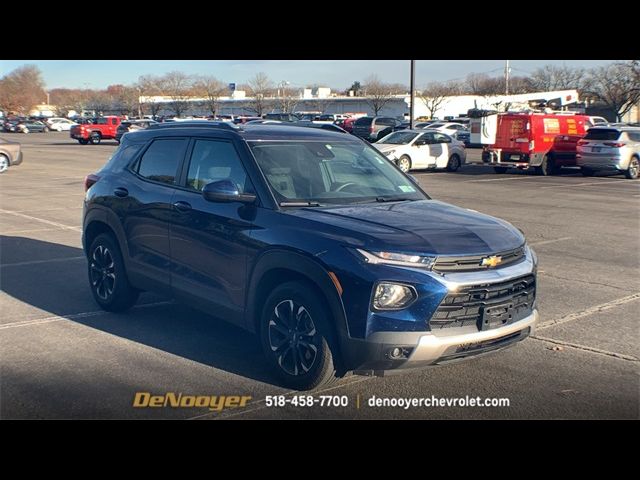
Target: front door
column 209, row 239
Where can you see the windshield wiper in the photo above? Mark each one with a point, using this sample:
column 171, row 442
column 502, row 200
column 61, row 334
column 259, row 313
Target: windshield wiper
column 299, row 204
column 393, row 199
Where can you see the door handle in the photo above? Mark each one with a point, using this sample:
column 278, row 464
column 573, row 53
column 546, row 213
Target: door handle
column 182, row 206
column 121, row 192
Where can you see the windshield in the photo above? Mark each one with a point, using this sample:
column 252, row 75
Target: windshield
column 398, row 138
column 331, row 172
column 436, row 125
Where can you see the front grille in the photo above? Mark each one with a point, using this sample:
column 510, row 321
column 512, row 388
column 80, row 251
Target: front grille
column 472, row 263
column 465, row 307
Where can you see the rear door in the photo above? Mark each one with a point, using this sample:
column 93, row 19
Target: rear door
column 513, row 133
column 209, row 240
column 142, row 200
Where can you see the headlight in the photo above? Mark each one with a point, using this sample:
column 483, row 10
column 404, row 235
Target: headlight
column 393, row 258
column 388, row 152
column 393, row 296
column 534, row 256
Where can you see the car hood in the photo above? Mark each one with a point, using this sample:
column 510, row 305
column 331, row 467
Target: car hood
column 385, row 147
column 424, row 226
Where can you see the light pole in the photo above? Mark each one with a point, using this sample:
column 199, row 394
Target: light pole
column 413, row 93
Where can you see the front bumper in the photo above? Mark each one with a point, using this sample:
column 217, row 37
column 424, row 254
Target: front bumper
column 390, row 349
column 18, row 159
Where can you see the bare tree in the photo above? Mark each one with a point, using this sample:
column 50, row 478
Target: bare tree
column 484, row 85
column 211, row 89
column 150, row 86
column 260, row 86
column 616, row 86
column 435, row 96
column 377, row 93
column 21, row 89
column 552, row 77
column 287, row 100
column 178, row 87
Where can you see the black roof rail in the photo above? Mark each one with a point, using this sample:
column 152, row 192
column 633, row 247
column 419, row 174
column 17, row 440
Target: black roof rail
column 197, row 124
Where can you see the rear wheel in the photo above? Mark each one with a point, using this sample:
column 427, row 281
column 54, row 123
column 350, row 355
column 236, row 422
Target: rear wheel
column 107, row 276
column 454, row 163
column 296, row 336
column 587, row 172
column 45, row 130
column 404, row 163
column 633, row 170
column 4, row 163
column 547, row 167
column 95, row 138
column 500, row 169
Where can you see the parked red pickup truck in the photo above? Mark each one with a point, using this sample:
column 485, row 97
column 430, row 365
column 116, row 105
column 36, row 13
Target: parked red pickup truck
column 95, row 130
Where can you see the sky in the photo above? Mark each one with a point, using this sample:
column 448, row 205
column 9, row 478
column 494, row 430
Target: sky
column 98, row 74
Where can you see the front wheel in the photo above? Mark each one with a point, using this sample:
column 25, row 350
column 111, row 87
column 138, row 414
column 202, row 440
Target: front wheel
column 4, row 163
column 633, row 170
column 45, row 130
column 94, row 138
column 454, row 163
column 83, row 141
column 404, row 163
column 296, row 334
column 107, row 276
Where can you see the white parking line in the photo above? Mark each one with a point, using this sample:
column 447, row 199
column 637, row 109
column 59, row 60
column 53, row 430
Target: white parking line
column 589, row 311
column 585, row 184
column 48, row 222
column 522, row 177
column 545, row 242
column 36, row 262
column 587, row 348
column 74, row 316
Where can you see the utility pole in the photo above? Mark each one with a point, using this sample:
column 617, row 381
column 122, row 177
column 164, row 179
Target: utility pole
column 507, row 70
column 413, row 93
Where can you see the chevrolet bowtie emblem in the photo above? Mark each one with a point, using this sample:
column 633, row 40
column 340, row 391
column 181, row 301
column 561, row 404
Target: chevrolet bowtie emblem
column 492, row 261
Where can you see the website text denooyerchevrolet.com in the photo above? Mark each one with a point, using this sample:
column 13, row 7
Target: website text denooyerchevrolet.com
column 433, row 401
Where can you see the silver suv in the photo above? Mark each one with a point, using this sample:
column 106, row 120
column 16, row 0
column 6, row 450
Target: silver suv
column 610, row 148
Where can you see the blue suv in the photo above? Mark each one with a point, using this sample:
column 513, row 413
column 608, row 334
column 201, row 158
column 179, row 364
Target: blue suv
column 309, row 238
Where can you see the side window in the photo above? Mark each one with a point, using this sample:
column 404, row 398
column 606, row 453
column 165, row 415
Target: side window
column 441, row 138
column 161, row 160
column 635, row 136
column 114, row 121
column 214, row 160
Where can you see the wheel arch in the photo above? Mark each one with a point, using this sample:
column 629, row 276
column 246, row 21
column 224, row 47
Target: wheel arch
column 279, row 266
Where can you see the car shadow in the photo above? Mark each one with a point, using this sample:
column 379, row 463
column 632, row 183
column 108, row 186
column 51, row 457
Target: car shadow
column 161, row 323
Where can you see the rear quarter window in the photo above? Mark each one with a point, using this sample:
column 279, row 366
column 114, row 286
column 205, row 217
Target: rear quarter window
column 363, row 121
column 602, row 134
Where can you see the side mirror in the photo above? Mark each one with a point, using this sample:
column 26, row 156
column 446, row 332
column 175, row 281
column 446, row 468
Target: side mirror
column 225, row 191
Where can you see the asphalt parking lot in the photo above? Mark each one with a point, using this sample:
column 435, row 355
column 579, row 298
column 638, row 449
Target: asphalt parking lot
column 62, row 357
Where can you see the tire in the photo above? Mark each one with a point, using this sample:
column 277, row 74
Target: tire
column 45, row 130
column 500, row 169
column 300, row 361
column 108, row 279
column 454, row 163
column 404, row 163
column 547, row 167
column 83, row 141
column 587, row 172
column 4, row 163
column 94, row 138
column 25, row 130
column 634, row 169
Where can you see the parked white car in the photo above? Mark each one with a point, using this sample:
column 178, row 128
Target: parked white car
column 60, row 124
column 450, row 128
column 412, row 149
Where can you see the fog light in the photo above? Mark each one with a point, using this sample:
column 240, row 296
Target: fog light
column 393, row 296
